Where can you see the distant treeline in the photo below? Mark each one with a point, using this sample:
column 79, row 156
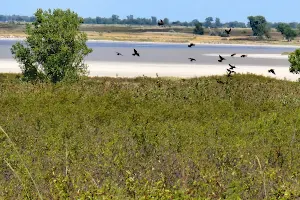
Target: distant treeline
column 131, row 20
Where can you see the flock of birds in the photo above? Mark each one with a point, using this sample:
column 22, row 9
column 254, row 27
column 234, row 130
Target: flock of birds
column 231, row 68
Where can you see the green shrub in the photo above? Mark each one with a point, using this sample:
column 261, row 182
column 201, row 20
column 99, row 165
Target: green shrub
column 198, row 29
column 294, row 59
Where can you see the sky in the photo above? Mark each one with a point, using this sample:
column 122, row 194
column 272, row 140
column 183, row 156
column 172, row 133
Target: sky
column 183, row 10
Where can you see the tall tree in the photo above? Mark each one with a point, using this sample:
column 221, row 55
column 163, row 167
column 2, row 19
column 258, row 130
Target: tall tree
column 166, row 21
column 259, row 26
column 54, row 48
column 218, row 23
column 194, row 22
column 153, row 20
column 115, row 19
column 208, row 22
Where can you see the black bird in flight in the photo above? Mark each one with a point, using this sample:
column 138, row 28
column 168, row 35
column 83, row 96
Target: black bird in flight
column 228, row 31
column 160, row 23
column 230, row 72
column 135, row 53
column 243, row 56
column 233, row 54
column 192, row 59
column 119, row 54
column 221, row 58
column 271, row 71
column 190, row 45
column 231, row 67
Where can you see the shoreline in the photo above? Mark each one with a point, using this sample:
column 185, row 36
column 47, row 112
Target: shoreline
column 131, row 70
column 173, row 43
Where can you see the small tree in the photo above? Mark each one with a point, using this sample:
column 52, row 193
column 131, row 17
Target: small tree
column 286, row 31
column 198, row 29
column 290, row 34
column 259, row 26
column 54, row 48
column 294, row 59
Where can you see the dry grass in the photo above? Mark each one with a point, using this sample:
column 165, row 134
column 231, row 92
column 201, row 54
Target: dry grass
column 174, row 34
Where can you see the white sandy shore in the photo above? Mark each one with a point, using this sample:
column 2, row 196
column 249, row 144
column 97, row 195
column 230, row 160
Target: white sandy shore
column 208, row 44
column 113, row 69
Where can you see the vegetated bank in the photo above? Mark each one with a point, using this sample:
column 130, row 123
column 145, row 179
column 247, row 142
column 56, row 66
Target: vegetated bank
column 173, row 34
column 210, row 137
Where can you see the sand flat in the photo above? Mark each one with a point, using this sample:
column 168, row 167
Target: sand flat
column 113, row 69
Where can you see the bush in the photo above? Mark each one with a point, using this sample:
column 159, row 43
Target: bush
column 223, row 34
column 294, row 59
column 199, row 29
column 54, row 48
column 286, row 31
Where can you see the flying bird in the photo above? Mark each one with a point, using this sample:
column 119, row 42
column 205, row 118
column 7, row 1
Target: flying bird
column 228, row 31
column 271, row 71
column 135, row 53
column 160, row 23
column 190, row 45
column 230, row 72
column 233, row 54
column 192, row 59
column 119, row 54
column 231, row 67
column 221, row 58
column 243, row 56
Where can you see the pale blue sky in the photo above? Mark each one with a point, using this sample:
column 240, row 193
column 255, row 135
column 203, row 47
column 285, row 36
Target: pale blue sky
column 227, row 10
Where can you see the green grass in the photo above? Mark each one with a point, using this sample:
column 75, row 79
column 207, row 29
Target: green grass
column 146, row 138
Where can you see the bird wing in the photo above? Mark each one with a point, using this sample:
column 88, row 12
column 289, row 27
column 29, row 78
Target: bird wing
column 135, row 51
column 221, row 57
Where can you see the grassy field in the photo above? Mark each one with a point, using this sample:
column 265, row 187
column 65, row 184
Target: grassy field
column 173, row 34
column 142, row 138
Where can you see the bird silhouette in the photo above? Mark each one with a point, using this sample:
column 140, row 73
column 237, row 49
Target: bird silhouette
column 221, row 58
column 192, row 59
column 119, row 54
column 230, row 72
column 135, row 53
column 231, row 67
column 271, row 71
column 233, row 54
column 160, row 23
column 190, row 45
column 228, row 31
column 243, row 56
